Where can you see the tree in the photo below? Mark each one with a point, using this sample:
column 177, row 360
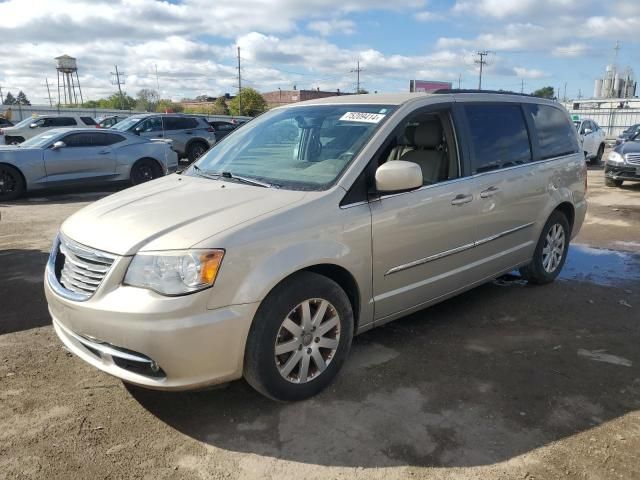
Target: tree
column 165, row 105
column 9, row 99
column 250, row 100
column 147, row 99
column 544, row 92
column 22, row 99
column 220, row 107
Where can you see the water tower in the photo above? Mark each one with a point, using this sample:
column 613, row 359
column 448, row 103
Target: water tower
column 67, row 68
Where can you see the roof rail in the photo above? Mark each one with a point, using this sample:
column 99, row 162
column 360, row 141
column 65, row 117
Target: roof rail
column 465, row 90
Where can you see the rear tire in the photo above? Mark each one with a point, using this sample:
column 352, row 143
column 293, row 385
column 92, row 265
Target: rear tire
column 11, row 183
column 599, row 155
column 312, row 351
column 196, row 150
column 551, row 251
column 144, row 170
column 611, row 182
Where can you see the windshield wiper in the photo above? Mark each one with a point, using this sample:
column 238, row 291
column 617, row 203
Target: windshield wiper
column 229, row 175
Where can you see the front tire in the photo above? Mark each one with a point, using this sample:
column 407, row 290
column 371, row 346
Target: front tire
column 144, row 170
column 196, row 150
column 299, row 339
column 611, row 182
column 11, row 183
column 551, row 251
column 598, row 158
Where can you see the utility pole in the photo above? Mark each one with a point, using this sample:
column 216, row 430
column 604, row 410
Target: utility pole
column 481, row 62
column 459, row 81
column 117, row 74
column 564, row 97
column 579, row 93
column 157, row 81
column 357, row 72
column 522, row 85
column 1, row 96
column 48, row 92
column 239, row 85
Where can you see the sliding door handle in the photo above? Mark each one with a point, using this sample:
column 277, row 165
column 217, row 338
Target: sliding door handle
column 489, row 192
column 461, row 199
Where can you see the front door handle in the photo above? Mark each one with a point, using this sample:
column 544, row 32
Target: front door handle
column 461, row 199
column 104, row 152
column 489, row 192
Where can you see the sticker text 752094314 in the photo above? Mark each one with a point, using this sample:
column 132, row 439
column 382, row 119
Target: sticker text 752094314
column 362, row 117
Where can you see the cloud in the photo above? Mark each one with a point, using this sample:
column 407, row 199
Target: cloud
column 427, row 16
column 532, row 73
column 502, row 9
column 333, row 26
column 570, row 50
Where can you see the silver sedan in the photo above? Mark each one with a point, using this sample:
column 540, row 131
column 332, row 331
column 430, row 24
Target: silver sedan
column 64, row 157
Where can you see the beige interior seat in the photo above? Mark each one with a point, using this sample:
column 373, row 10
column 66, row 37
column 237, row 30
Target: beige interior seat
column 429, row 153
column 406, row 144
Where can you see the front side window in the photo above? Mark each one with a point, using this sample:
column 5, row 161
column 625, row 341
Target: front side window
column 556, row 137
column 153, row 124
column 78, row 140
column 499, row 136
column 305, row 148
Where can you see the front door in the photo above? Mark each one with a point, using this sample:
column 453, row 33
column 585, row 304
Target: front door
column 423, row 239
column 81, row 158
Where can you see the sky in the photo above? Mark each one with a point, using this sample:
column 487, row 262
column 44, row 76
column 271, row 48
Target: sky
column 314, row 44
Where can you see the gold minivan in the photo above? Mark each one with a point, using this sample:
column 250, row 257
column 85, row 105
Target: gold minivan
column 312, row 223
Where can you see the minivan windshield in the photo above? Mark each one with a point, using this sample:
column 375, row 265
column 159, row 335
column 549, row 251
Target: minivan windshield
column 126, row 124
column 299, row 147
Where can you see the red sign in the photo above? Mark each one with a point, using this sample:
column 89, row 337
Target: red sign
column 426, row 86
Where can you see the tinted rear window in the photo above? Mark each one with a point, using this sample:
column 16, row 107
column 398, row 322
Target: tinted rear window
column 556, row 134
column 499, row 136
column 62, row 122
column 88, row 120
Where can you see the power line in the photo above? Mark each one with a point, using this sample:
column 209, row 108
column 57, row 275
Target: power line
column 357, row 72
column 481, row 62
column 119, row 83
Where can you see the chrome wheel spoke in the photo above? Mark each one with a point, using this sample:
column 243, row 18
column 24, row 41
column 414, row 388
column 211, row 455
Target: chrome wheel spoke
column 318, row 359
column 286, row 347
column 291, row 363
column 328, row 325
column 319, row 315
column 326, row 342
column 303, row 375
column 292, row 327
column 306, row 316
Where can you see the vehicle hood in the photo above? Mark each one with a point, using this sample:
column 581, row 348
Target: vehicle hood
column 628, row 147
column 13, row 153
column 175, row 212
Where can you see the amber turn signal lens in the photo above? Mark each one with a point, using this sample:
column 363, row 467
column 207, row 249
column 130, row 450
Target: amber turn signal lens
column 210, row 264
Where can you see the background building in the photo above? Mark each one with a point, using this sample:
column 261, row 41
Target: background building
column 285, row 97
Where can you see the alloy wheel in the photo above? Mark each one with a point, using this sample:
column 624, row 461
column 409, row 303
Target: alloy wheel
column 553, row 249
column 307, row 340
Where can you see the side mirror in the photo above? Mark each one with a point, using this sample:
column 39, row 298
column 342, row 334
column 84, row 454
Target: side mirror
column 59, row 144
column 137, row 130
column 587, row 131
column 397, row 176
column 33, row 125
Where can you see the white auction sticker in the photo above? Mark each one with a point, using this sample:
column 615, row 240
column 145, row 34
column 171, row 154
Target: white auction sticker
column 362, row 117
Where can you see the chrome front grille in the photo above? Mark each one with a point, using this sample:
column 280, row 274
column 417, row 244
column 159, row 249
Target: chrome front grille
column 79, row 269
column 633, row 158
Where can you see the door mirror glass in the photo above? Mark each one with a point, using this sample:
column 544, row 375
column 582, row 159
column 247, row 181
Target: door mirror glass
column 397, row 176
column 57, row 145
column 587, row 131
column 33, row 125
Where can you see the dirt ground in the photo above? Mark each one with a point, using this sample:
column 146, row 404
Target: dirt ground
column 507, row 381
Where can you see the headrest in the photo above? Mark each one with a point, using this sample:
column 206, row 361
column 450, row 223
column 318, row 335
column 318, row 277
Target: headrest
column 409, row 134
column 428, row 134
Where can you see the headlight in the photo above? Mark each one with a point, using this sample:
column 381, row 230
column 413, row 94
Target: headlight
column 174, row 272
column 615, row 157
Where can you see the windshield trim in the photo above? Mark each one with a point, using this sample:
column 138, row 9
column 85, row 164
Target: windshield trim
column 305, row 186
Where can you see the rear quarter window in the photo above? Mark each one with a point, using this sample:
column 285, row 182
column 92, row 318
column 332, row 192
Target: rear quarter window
column 556, row 134
column 88, row 121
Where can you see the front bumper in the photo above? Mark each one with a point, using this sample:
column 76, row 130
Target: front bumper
column 622, row 172
column 164, row 343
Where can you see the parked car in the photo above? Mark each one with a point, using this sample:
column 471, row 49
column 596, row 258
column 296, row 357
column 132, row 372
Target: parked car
column 593, row 139
column 30, row 127
column 632, row 131
column 4, row 123
column 67, row 156
column 623, row 163
column 267, row 255
column 110, row 121
column 222, row 129
column 192, row 136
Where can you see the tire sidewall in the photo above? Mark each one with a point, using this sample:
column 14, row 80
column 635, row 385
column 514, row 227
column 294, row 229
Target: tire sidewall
column 190, row 151
column 260, row 367
column 20, row 187
column 151, row 163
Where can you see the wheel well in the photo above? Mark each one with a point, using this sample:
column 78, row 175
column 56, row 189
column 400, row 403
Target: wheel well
column 197, row 140
column 568, row 211
column 346, row 281
column 24, row 180
column 156, row 162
